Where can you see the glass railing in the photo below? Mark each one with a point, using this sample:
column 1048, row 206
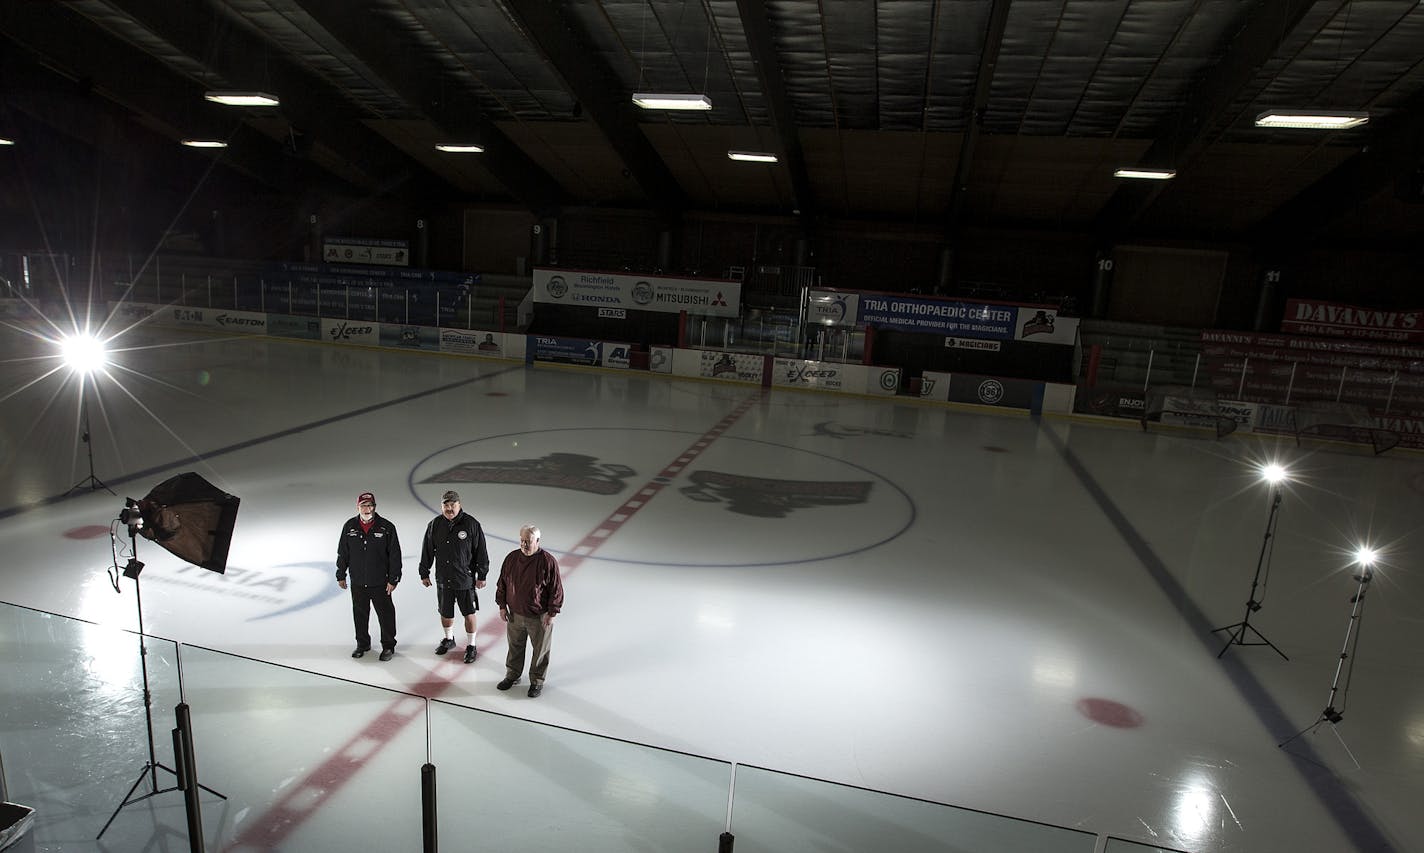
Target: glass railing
column 525, row 786
column 295, row 760
column 75, row 742
column 780, row 813
column 1366, row 392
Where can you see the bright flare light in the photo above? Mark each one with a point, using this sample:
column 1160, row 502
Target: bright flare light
column 83, row 354
column 1273, row 473
column 1366, row 556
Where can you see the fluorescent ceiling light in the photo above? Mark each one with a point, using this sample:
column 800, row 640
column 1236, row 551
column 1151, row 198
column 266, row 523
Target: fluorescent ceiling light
column 1312, row 119
column 1146, row 174
column 459, row 148
column 6, row 141
column 668, row 101
column 205, row 143
column 752, row 156
column 242, row 99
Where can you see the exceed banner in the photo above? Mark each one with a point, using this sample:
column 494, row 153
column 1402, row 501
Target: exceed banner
column 605, row 290
column 1308, row 317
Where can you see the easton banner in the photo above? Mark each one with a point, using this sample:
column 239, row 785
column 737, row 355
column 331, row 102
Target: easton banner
column 604, row 290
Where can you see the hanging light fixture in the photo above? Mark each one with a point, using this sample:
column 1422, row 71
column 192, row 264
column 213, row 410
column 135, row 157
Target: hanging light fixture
column 241, row 99
column 753, row 156
column 671, row 101
column 1312, row 119
column 1144, row 174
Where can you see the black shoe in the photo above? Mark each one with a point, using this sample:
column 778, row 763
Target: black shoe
column 506, row 684
column 360, row 652
column 469, row 654
column 387, row 654
column 445, row 645
column 536, row 689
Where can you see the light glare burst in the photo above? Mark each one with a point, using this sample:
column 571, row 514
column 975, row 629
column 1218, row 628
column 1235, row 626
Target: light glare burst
column 1274, row 472
column 83, row 353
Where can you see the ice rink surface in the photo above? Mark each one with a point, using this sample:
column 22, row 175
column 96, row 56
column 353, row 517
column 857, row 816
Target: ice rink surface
column 982, row 610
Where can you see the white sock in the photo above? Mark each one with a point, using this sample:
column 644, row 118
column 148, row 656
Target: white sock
column 450, row 632
column 470, row 639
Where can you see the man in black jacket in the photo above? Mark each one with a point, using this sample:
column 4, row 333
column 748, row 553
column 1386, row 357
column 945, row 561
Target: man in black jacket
column 370, row 549
column 455, row 545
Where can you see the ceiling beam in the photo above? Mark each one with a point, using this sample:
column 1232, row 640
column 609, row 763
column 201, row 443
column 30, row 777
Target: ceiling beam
column 762, row 45
column 431, row 89
column 983, row 78
column 594, row 85
column 1184, row 135
column 316, row 108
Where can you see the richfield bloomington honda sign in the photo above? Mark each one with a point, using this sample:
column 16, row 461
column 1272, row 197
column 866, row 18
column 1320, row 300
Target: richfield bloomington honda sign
column 589, row 289
column 1308, row 317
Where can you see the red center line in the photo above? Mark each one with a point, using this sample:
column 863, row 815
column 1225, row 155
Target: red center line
column 301, row 800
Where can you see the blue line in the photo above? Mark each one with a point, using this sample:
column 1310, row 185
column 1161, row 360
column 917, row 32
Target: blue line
column 262, row 439
column 1348, row 814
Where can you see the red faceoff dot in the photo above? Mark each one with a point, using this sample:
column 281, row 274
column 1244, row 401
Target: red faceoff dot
column 1109, row 713
column 88, row 531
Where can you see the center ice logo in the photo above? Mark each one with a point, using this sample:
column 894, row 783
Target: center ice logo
column 768, row 498
column 559, row 470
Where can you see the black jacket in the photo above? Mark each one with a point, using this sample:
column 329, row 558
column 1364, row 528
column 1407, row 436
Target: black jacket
column 457, row 550
column 374, row 558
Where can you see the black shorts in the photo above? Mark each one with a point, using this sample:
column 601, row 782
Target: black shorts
column 447, row 598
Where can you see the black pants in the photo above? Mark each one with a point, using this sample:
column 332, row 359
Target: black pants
column 362, row 598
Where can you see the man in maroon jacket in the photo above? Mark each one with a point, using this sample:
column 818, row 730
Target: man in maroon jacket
column 370, row 550
column 529, row 594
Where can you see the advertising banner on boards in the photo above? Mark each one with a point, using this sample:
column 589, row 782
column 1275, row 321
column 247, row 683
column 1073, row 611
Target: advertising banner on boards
column 614, row 291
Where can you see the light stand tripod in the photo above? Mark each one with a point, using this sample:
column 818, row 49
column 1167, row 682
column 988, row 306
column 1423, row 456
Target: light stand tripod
column 1332, row 714
column 93, row 483
column 183, row 749
column 1238, row 630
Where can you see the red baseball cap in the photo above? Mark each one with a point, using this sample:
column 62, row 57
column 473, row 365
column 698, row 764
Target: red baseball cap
column 366, row 497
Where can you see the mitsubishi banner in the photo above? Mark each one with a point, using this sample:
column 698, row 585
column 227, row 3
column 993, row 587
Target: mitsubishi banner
column 602, row 290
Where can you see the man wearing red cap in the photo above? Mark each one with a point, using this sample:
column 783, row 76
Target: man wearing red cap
column 370, row 550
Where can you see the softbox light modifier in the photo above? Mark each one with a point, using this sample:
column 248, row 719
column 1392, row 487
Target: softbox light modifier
column 187, row 516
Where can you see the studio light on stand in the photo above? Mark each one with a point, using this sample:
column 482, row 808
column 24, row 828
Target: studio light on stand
column 193, row 520
column 1365, row 559
column 84, row 354
column 1274, row 475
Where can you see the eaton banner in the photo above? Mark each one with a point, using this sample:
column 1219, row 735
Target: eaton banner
column 586, row 289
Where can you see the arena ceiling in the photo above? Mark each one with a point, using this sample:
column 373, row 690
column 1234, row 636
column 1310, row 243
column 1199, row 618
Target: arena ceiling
column 933, row 113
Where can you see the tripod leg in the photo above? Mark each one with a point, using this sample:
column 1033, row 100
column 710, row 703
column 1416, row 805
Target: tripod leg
column 124, row 802
column 1271, row 644
column 1238, row 633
